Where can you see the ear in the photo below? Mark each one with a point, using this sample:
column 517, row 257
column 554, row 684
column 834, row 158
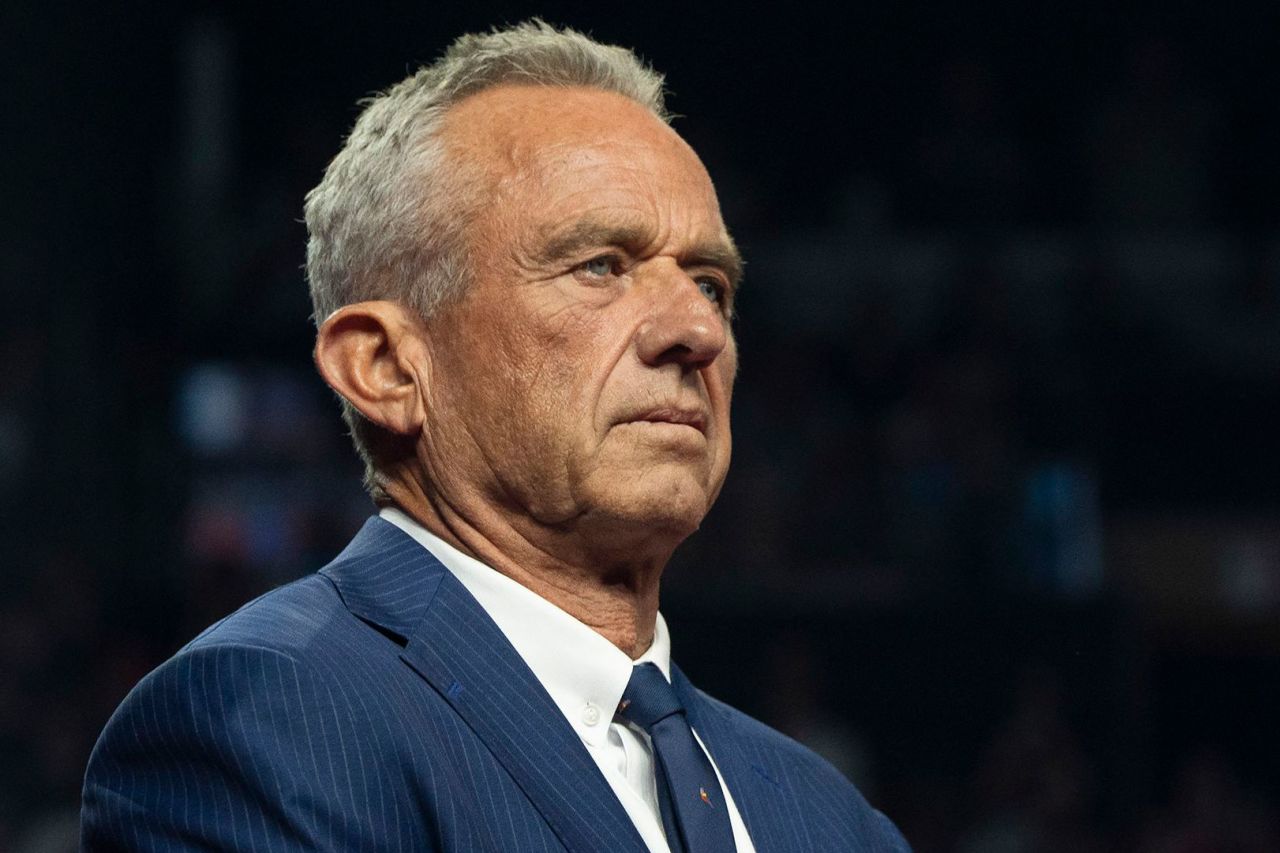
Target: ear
column 372, row 353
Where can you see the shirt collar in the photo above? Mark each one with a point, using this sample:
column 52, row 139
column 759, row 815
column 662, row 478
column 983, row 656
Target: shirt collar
column 584, row 673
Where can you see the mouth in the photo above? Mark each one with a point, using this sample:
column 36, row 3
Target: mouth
column 671, row 415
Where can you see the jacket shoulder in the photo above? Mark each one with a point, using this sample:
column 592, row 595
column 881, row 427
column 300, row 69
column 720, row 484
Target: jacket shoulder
column 289, row 619
column 258, row 734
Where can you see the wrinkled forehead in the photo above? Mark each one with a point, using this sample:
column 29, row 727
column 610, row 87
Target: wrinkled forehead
column 533, row 136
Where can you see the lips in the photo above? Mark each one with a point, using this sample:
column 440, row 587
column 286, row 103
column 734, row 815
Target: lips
column 672, row 415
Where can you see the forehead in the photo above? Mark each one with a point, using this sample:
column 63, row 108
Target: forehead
column 556, row 153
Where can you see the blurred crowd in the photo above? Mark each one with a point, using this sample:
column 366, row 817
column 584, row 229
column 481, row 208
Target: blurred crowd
column 993, row 346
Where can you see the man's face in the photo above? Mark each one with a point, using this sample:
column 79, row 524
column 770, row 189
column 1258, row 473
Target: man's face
column 584, row 380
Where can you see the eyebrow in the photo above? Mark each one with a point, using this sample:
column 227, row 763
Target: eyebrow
column 588, row 233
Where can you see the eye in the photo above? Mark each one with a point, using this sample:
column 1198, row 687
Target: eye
column 600, row 267
column 712, row 289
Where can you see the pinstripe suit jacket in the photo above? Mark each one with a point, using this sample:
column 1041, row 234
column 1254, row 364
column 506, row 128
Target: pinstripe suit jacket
column 375, row 706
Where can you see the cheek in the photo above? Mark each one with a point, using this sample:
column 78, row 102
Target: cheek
column 552, row 371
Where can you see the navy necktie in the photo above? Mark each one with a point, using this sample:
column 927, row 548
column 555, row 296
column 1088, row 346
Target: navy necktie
column 694, row 812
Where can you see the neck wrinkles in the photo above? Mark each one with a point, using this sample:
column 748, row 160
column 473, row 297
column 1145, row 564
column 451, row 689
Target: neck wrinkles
column 616, row 598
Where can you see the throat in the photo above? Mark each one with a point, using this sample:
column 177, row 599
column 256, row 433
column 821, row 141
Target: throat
column 615, row 597
column 624, row 613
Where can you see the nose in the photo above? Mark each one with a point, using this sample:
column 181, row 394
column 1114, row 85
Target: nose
column 684, row 327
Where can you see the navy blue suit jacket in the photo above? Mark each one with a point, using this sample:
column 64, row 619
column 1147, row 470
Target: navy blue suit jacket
column 376, row 706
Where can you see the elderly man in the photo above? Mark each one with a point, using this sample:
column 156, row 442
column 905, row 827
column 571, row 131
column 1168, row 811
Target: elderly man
column 524, row 290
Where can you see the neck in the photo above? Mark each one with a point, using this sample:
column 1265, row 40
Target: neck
column 611, row 589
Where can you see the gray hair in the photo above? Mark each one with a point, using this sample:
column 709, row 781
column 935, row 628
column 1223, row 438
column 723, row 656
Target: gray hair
column 389, row 217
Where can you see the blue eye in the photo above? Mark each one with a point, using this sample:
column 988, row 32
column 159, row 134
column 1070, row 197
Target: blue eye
column 601, row 266
column 710, row 289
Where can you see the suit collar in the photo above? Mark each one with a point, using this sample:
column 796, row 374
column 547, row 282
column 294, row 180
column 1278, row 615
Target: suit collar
column 388, row 579
column 578, row 667
column 385, row 578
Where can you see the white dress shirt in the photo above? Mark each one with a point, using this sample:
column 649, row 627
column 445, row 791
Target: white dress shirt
column 584, row 674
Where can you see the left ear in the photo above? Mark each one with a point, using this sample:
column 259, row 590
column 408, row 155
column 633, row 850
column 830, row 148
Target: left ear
column 372, row 354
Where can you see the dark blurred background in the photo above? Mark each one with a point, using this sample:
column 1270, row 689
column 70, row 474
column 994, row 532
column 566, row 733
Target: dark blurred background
column 1002, row 534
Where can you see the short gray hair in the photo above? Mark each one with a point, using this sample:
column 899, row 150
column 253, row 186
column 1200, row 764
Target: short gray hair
column 389, row 217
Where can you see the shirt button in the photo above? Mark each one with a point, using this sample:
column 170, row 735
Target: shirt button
column 591, row 715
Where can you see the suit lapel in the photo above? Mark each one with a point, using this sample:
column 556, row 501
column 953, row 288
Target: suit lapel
column 387, row 578
column 755, row 792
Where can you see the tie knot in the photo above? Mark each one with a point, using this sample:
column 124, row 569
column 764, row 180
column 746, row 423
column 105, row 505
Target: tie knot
column 649, row 697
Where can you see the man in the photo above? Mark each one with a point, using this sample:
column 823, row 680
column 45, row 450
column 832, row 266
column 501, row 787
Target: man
column 524, row 290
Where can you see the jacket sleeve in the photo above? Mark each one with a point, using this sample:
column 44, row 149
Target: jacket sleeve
column 232, row 748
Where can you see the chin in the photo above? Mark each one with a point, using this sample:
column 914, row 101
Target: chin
column 667, row 504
